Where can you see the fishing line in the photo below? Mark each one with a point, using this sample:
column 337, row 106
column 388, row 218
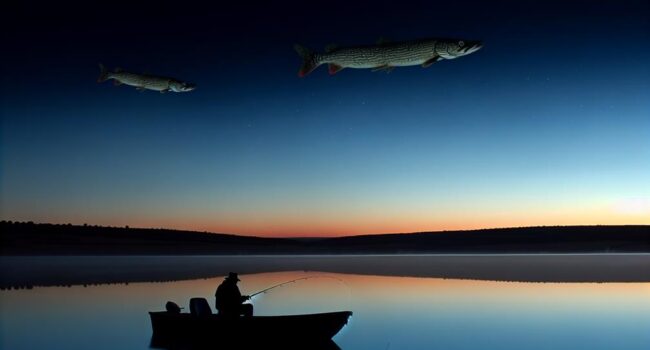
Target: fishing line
column 296, row 280
column 266, row 290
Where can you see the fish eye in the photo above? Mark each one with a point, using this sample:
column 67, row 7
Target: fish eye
column 461, row 43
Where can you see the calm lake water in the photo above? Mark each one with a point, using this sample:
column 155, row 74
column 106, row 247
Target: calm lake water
column 390, row 311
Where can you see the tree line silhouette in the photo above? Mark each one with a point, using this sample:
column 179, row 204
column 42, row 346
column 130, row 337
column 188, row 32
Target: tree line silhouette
column 28, row 238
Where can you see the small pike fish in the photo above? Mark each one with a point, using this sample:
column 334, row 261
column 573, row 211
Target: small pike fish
column 386, row 56
column 144, row 82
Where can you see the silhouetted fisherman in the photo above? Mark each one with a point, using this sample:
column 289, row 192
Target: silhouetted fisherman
column 229, row 301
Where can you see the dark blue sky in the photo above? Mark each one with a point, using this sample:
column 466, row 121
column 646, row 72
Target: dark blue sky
column 547, row 124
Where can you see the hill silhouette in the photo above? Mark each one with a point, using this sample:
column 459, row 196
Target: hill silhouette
column 27, row 238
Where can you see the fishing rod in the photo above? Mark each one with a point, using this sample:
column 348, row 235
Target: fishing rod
column 292, row 281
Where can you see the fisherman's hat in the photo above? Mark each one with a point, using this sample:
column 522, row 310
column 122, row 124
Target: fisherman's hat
column 233, row 276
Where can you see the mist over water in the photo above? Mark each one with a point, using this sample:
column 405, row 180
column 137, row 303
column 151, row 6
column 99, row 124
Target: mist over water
column 28, row 272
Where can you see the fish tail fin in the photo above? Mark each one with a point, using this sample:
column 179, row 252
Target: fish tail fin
column 309, row 61
column 103, row 74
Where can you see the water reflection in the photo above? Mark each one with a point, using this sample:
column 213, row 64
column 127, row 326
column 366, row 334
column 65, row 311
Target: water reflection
column 389, row 312
column 326, row 345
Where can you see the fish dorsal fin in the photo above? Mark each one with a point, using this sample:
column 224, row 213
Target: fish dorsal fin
column 383, row 41
column 334, row 68
column 118, row 70
column 331, row 47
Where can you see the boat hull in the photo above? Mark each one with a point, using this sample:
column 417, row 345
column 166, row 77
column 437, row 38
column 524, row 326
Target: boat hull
column 173, row 329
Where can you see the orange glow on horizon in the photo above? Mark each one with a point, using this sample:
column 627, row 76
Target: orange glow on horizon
column 407, row 222
column 378, row 220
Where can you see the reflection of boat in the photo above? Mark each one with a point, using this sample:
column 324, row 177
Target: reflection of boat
column 251, row 342
column 173, row 329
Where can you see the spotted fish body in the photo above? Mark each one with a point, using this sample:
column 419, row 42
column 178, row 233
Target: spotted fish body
column 144, row 81
column 386, row 56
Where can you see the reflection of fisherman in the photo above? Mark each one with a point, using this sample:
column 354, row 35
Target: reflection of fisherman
column 229, row 300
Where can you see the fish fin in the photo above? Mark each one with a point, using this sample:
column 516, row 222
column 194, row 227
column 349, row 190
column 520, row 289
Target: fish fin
column 331, row 47
column 103, row 74
column 117, row 82
column 383, row 41
column 431, row 61
column 309, row 62
column 334, row 68
column 385, row 68
column 118, row 70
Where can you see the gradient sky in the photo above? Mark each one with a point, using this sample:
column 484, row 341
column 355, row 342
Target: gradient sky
column 548, row 124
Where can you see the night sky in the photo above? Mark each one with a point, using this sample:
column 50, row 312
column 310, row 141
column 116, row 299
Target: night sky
column 548, row 124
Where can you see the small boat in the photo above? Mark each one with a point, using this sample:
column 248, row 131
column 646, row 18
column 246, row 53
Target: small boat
column 201, row 327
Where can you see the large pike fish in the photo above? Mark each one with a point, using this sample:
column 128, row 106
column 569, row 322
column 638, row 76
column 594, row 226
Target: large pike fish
column 144, row 81
column 385, row 55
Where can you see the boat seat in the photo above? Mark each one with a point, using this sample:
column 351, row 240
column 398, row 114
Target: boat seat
column 200, row 307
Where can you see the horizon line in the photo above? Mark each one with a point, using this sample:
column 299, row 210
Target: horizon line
column 5, row 221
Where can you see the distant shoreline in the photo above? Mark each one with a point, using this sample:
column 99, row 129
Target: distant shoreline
column 30, row 239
